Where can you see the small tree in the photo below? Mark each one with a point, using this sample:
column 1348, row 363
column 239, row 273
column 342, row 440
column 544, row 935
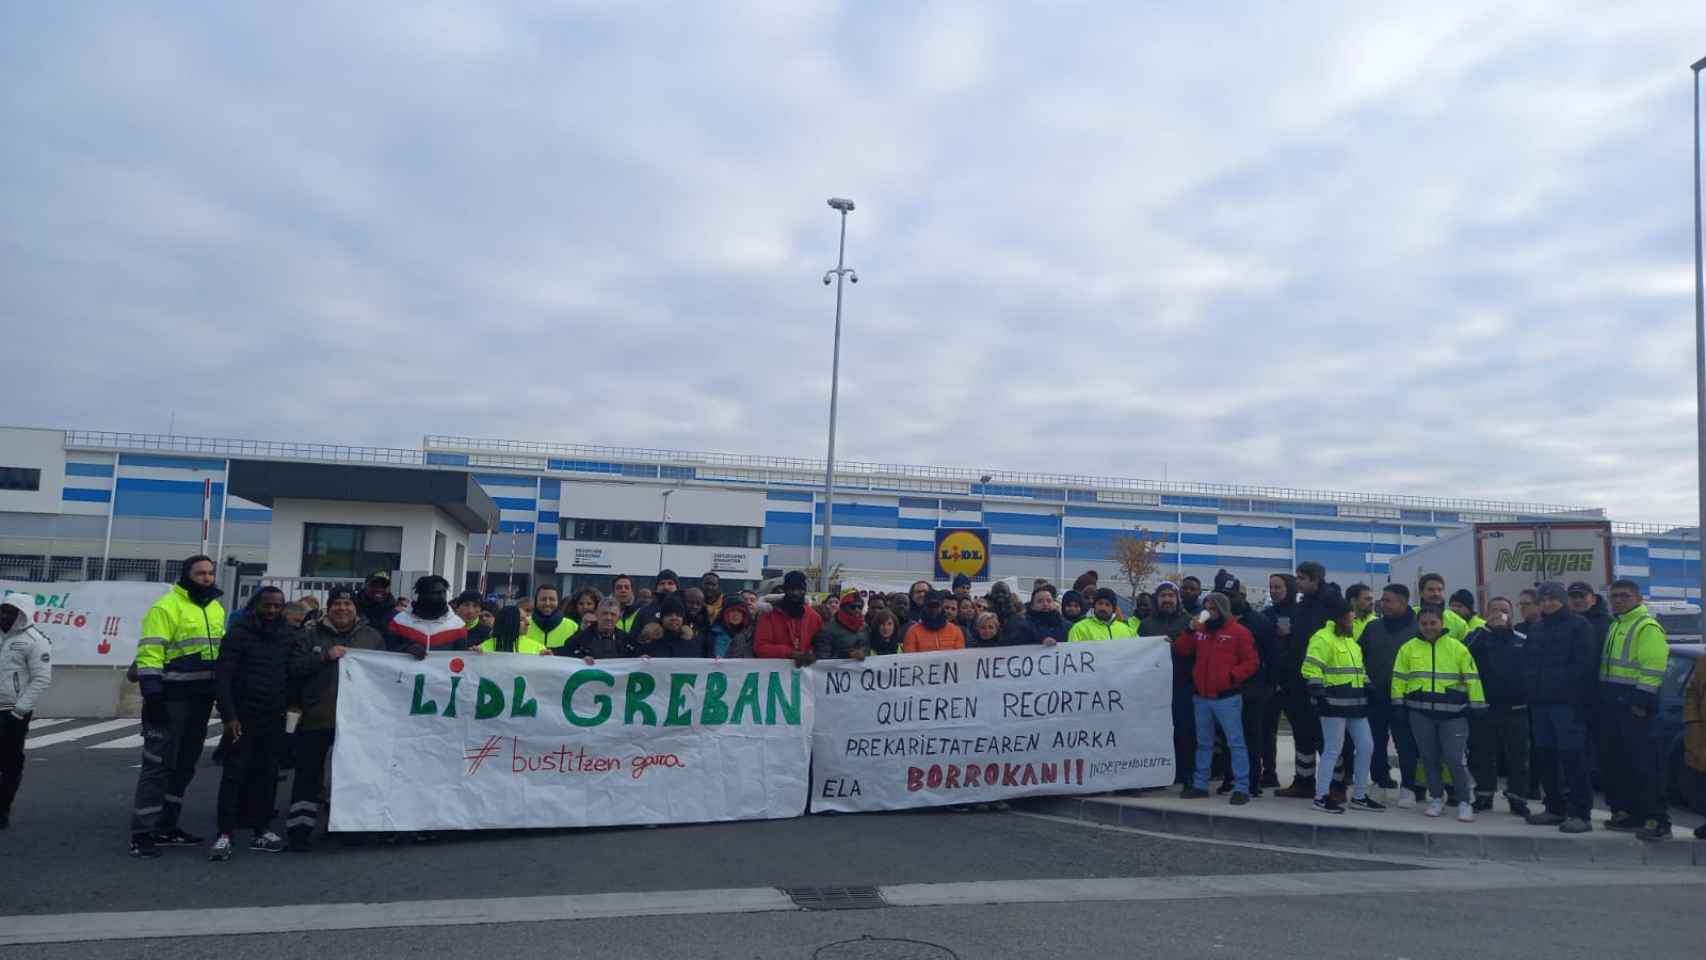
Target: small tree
column 1138, row 556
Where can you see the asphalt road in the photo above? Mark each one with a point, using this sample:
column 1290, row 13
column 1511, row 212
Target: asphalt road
column 1159, row 897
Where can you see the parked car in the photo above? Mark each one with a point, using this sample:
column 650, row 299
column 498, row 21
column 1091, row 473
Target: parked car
column 1685, row 658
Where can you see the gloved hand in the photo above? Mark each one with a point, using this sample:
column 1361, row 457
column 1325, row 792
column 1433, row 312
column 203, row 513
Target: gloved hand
column 154, row 710
column 804, row 658
column 418, row 651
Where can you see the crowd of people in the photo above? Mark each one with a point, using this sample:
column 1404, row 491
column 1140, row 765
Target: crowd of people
column 1524, row 692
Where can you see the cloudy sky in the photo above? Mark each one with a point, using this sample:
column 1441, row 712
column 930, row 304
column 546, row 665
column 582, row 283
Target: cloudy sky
column 1434, row 249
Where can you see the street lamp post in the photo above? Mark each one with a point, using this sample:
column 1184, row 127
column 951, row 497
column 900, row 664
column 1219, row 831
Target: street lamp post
column 840, row 273
column 1699, row 353
column 663, row 526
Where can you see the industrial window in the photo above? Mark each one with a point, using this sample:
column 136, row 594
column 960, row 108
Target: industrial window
column 609, row 531
column 343, row 550
column 713, row 535
column 20, row 478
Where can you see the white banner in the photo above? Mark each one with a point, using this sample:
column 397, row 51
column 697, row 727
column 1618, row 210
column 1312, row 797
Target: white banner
column 92, row 623
column 970, row 726
column 460, row 742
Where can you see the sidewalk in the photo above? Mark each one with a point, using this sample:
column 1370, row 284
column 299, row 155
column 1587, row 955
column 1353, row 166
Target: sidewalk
column 1494, row 835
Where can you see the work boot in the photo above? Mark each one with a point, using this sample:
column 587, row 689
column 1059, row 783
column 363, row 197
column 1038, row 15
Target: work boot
column 1297, row 791
column 1624, row 823
column 1519, row 806
column 142, row 847
column 1192, row 793
column 1576, row 825
column 1544, row 818
column 1483, row 802
column 1270, row 781
column 1239, row 798
column 1654, row 831
column 1224, row 788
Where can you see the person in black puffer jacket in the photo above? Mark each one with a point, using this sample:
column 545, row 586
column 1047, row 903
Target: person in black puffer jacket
column 1040, row 624
column 1561, row 668
column 252, row 686
column 1500, row 731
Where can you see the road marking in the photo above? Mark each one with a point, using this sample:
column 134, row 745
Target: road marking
column 135, row 740
column 137, row 925
column 44, row 724
column 79, row 733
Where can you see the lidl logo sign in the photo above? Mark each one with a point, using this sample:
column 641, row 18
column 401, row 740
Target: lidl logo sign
column 962, row 550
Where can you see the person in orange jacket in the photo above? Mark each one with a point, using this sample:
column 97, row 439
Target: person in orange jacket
column 933, row 631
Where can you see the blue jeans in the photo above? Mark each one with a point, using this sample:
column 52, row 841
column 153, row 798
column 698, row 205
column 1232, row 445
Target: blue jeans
column 1560, row 745
column 1228, row 712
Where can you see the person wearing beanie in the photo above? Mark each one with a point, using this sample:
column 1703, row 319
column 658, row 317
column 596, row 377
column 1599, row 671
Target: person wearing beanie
column 789, row 630
column 962, row 587
column 933, row 631
column 1169, row 620
column 429, row 623
column 843, row 635
column 671, row 636
column 649, row 609
column 1338, row 687
column 1561, row 673
column 1223, row 657
column 1002, row 602
column 469, row 608
column 1463, row 604
column 1103, row 623
column 175, row 657
column 314, row 655
column 731, row 635
column 1072, row 608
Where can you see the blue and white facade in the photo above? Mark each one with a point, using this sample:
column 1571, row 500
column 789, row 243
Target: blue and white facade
column 576, row 514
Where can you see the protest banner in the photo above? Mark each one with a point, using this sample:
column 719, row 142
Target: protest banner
column 970, row 726
column 94, row 623
column 470, row 741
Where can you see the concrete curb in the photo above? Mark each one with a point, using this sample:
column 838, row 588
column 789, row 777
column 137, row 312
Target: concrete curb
column 1334, row 838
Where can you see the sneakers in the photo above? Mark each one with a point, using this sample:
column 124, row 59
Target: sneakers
column 1192, row 793
column 1367, row 804
column 1483, row 803
column 268, row 842
column 1624, row 823
column 1519, row 807
column 1466, row 813
column 1239, row 798
column 1436, row 806
column 142, row 847
column 1576, row 825
column 1654, row 831
column 1406, row 800
column 1328, row 805
column 1255, row 793
column 177, row 837
column 1544, row 819
column 221, row 849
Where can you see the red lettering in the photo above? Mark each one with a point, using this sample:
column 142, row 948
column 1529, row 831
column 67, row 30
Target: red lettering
column 1009, row 775
column 992, row 773
column 1030, row 775
column 1049, row 774
column 972, row 775
column 643, row 763
column 933, row 779
column 953, row 778
column 914, row 779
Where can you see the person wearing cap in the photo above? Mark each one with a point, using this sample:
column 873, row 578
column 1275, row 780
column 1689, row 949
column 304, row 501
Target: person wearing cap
column 1586, row 603
column 26, row 672
column 1632, row 666
column 1102, row 623
column 1337, row 685
column 934, row 631
column 468, row 607
column 1561, row 672
column 429, row 623
column 789, row 630
column 650, row 610
column 1223, row 658
column 175, row 657
column 375, row 603
column 843, row 634
column 671, row 635
column 314, row 655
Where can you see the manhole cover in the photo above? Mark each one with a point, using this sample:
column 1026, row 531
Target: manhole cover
column 836, row 898
column 868, row 948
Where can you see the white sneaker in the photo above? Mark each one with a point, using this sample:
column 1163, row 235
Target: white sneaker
column 1465, row 813
column 221, row 848
column 1436, row 806
column 1406, row 799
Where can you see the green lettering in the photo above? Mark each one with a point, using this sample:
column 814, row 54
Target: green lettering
column 450, row 704
column 419, row 705
column 488, row 700
column 748, row 698
column 775, row 696
column 714, row 711
column 576, row 681
column 522, row 705
column 640, row 686
column 679, row 715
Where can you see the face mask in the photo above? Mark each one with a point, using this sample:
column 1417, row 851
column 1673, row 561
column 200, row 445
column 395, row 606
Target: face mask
column 432, row 605
column 794, row 602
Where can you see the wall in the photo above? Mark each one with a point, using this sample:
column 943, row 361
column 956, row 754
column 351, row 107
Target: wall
column 42, row 450
column 419, row 522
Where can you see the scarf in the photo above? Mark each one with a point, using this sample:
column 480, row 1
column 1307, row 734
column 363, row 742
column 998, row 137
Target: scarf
column 852, row 620
column 548, row 623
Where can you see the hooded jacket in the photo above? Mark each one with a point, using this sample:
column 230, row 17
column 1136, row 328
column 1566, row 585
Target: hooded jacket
column 1223, row 658
column 26, row 658
column 1073, row 596
column 411, row 633
column 1562, row 663
column 253, row 671
column 316, row 675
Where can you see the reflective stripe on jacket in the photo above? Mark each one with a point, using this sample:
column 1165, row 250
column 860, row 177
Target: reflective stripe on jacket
column 1333, row 667
column 179, row 645
column 1438, row 678
column 1090, row 628
column 1632, row 664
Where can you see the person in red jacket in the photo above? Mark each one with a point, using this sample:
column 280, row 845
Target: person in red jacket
column 1225, row 658
column 788, row 629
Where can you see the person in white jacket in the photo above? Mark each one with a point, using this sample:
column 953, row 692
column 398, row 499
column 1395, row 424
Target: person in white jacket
column 26, row 670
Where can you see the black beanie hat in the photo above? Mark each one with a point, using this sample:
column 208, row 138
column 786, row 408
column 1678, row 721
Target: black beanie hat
column 667, row 574
column 339, row 593
column 1466, row 598
column 961, row 580
column 431, row 581
column 1072, row 596
column 671, row 604
column 795, row 580
column 466, row 596
column 1107, row 593
column 1225, row 582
